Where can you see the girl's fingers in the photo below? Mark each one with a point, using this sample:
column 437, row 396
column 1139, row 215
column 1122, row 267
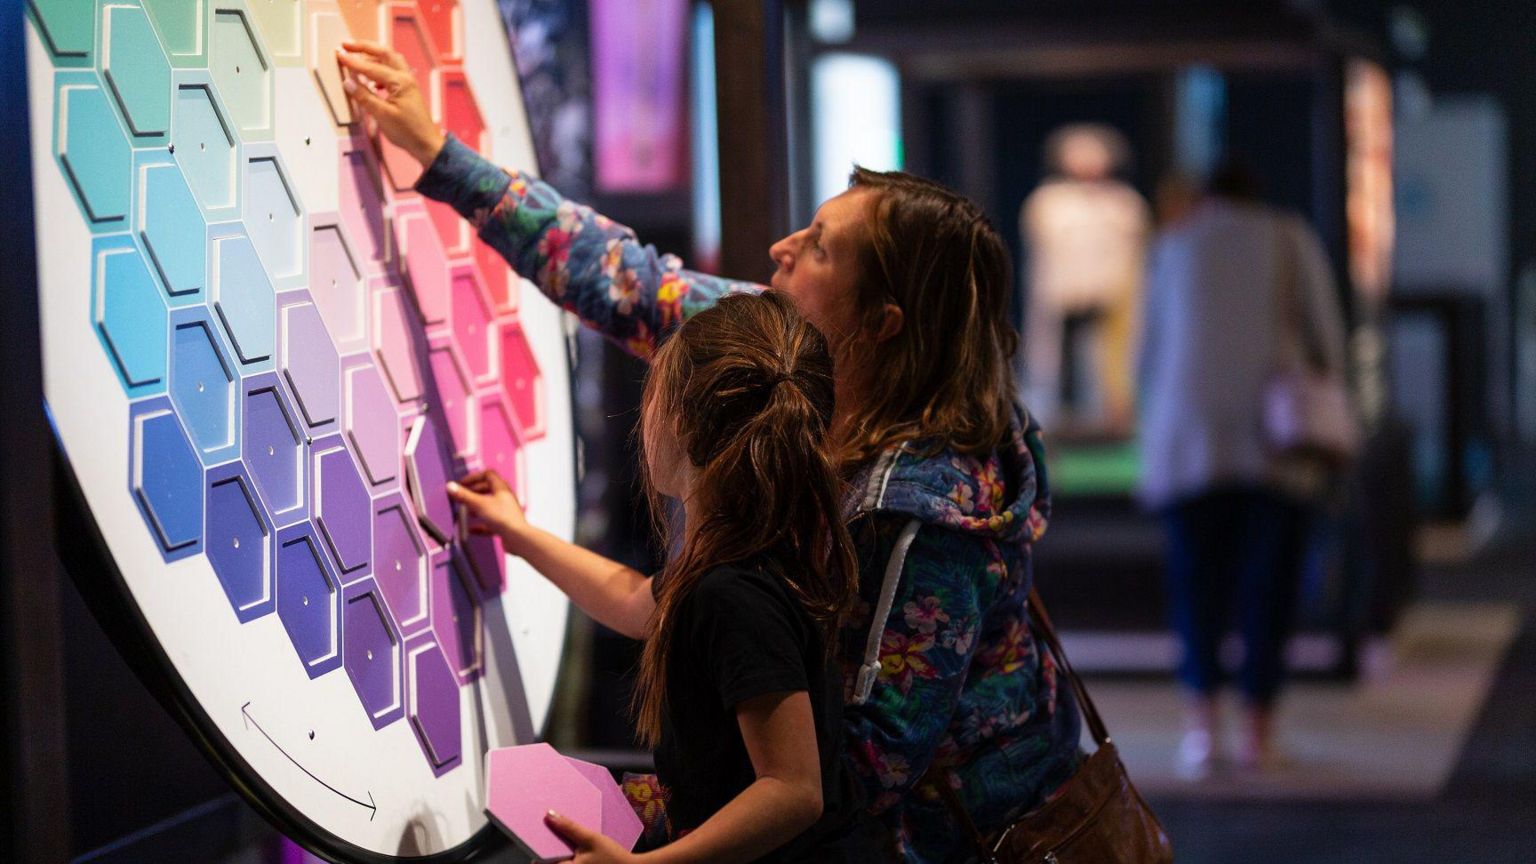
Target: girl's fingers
column 473, row 478
column 577, row 835
column 373, row 49
column 377, row 71
column 364, row 96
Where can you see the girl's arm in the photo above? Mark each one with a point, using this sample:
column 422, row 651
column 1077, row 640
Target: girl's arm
column 782, row 802
column 581, row 260
column 616, row 596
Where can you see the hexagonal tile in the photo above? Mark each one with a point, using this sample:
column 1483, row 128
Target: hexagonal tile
column 456, row 614
column 166, row 477
column 488, row 562
column 445, row 26
column 397, row 340
column 327, row 30
column 273, row 215
column 336, row 283
column 171, row 227
column 474, row 329
column 523, row 381
column 434, row 704
column 242, row 70
column 508, row 771
column 362, row 206
column 309, row 361
column 68, row 27
column 342, row 507
column 306, row 136
column 203, row 385
column 362, row 17
column 244, row 299
column 428, row 468
column 426, row 263
column 371, row 652
column 205, row 142
column 183, row 30
column 308, row 599
column 93, row 149
column 282, row 30
column 457, row 109
column 455, row 398
column 129, row 313
column 272, row 446
column 407, row 36
column 371, row 420
column 497, row 278
column 400, row 562
column 239, row 541
column 136, row 69
column 501, row 441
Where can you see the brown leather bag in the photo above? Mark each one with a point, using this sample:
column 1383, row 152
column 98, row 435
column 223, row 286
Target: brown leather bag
column 1096, row 817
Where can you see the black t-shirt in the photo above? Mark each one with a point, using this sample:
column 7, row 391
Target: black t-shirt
column 741, row 633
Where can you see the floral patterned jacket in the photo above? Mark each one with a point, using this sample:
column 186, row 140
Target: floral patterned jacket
column 961, row 685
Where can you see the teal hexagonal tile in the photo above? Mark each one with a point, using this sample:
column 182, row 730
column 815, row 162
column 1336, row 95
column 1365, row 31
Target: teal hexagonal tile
column 242, row 70
column 273, row 215
column 130, row 315
column 206, row 146
column 68, row 27
column 136, row 69
column 183, row 30
column 243, row 297
column 171, row 227
column 93, row 149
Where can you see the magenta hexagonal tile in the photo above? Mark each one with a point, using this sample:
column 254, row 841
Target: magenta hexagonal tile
column 424, row 261
column 474, row 324
column 309, row 361
column 371, row 652
column 308, row 599
column 336, row 283
column 398, row 341
column 400, row 562
column 501, row 441
column 343, row 510
column 371, row 420
column 522, row 380
column 434, row 706
column 455, row 401
column 456, row 614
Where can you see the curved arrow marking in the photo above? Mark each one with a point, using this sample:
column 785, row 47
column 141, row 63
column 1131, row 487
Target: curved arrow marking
column 373, row 808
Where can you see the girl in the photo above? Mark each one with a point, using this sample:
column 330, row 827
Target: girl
column 944, row 677
column 735, row 679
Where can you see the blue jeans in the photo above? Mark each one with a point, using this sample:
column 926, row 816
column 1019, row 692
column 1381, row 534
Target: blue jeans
column 1234, row 547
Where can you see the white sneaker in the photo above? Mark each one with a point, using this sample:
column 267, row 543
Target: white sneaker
column 1196, row 759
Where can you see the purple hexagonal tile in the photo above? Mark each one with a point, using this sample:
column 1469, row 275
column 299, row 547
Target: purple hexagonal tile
column 456, row 614
column 371, row 653
column 454, row 397
column 309, row 360
column 400, row 562
column 434, row 704
column 343, row 510
column 488, row 561
column 308, row 599
column 238, row 540
column 428, row 468
column 398, row 340
column 371, row 420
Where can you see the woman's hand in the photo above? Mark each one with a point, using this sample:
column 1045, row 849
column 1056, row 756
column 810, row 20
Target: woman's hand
column 381, row 83
column 493, row 508
column 591, row 847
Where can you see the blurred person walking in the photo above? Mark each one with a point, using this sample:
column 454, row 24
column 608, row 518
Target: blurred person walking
column 1240, row 305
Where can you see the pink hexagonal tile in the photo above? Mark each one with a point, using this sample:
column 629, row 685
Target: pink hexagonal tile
column 455, row 397
column 497, row 277
column 406, row 35
column 501, row 441
column 424, row 261
column 525, row 782
column 398, row 340
column 473, row 324
column 362, row 203
column 522, row 380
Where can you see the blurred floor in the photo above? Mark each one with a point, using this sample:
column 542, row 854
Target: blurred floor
column 1485, row 811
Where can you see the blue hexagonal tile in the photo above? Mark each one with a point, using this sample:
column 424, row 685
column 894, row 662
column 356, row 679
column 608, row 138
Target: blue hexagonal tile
column 205, row 143
column 273, row 216
column 166, row 477
column 204, row 386
column 68, row 27
column 136, row 69
column 238, row 541
column 171, row 227
column 272, row 447
column 242, row 70
column 371, row 653
column 244, row 299
column 129, row 314
column 93, row 149
column 309, row 599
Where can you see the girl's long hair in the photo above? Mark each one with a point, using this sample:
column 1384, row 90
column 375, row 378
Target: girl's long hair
column 743, row 391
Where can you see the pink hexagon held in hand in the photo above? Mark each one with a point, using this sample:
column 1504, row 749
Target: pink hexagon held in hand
column 525, row 782
column 619, row 819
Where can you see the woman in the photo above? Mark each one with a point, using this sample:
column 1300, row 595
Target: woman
column 910, row 285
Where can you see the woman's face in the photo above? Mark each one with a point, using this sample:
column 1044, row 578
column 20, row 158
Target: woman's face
column 818, row 266
column 668, row 467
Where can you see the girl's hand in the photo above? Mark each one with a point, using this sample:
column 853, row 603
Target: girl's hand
column 591, row 847
column 381, row 83
column 493, row 508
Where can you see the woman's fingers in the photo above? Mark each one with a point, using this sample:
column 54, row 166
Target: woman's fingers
column 375, row 70
column 574, row 833
column 381, row 53
column 364, row 96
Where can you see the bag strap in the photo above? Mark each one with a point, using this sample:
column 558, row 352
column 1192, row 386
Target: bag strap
column 937, row 779
column 865, row 683
column 1047, row 631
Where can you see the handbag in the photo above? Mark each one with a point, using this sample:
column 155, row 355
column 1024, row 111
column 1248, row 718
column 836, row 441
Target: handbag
column 1307, row 409
column 1096, row 817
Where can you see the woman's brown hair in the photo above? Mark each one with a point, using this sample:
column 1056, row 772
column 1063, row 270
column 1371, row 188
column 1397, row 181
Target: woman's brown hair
column 944, row 379
column 743, row 391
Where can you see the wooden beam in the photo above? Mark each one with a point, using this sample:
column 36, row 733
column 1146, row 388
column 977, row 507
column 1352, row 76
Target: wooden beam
column 754, row 165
